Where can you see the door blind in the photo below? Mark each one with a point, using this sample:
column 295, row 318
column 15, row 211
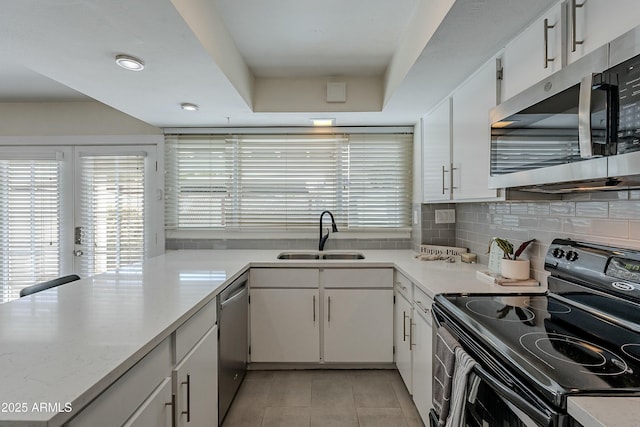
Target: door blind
column 112, row 212
column 283, row 182
column 29, row 223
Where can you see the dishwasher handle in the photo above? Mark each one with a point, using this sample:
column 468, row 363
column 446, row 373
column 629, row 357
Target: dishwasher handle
column 236, row 294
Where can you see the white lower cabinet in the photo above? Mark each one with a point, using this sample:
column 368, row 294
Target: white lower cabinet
column 403, row 339
column 157, row 410
column 358, row 325
column 285, row 325
column 422, row 355
column 195, row 383
column 334, row 315
column 134, row 389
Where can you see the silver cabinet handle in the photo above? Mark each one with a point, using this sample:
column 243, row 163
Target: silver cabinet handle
column 328, row 309
column 314, row 309
column 422, row 307
column 411, row 343
column 188, row 411
column 443, row 172
column 404, row 326
column 173, row 409
column 546, row 43
column 401, row 286
column 453, row 187
column 574, row 9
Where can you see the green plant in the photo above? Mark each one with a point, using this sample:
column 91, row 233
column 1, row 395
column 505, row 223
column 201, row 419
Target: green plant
column 507, row 247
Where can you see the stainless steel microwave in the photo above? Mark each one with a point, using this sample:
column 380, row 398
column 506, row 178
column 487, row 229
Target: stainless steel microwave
column 579, row 129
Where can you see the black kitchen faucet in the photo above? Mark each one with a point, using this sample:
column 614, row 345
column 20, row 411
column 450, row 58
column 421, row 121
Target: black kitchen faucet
column 323, row 239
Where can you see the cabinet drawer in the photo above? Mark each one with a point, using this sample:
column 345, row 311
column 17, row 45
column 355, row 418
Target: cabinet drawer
column 358, row 277
column 284, row 277
column 190, row 332
column 118, row 402
column 403, row 285
column 422, row 303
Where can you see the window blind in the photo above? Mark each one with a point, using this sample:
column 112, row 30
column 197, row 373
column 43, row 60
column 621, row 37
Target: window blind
column 283, row 182
column 379, row 190
column 29, row 223
column 112, row 212
column 198, row 181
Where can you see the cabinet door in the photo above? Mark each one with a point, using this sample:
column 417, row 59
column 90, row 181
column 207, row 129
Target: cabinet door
column 592, row 31
column 422, row 362
column 195, row 382
column 523, row 60
column 285, row 325
column 436, row 153
column 156, row 410
column 358, row 325
column 403, row 339
column 472, row 135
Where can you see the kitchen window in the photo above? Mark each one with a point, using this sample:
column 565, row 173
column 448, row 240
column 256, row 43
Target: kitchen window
column 275, row 182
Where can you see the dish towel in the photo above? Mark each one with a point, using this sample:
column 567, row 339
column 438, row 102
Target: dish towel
column 463, row 367
column 443, row 370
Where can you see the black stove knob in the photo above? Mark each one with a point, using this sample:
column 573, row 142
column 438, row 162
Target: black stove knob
column 558, row 253
column 572, row 256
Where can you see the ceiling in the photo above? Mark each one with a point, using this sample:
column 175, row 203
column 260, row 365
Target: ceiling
column 253, row 62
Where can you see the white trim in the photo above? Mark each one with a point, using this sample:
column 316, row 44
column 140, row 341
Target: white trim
column 83, row 140
column 257, row 235
column 288, row 130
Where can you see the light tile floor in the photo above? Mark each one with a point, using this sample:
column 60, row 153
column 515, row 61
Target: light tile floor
column 323, row 398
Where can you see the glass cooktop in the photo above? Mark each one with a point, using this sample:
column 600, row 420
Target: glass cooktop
column 559, row 348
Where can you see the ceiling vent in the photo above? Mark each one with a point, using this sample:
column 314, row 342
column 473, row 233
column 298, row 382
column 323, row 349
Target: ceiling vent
column 337, row 92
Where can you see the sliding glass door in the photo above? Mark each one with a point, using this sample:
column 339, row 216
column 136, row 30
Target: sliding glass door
column 83, row 210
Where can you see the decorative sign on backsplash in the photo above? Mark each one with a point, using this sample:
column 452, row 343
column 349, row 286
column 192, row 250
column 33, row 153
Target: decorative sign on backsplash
column 441, row 250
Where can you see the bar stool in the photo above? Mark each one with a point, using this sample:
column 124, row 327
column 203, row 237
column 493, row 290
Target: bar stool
column 48, row 284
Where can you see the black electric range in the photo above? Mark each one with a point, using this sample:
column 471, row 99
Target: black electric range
column 582, row 337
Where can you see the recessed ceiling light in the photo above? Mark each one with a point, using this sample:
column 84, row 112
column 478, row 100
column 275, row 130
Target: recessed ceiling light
column 129, row 63
column 323, row 122
column 187, row 106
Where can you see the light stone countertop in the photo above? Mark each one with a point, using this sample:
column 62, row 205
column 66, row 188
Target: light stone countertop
column 598, row 411
column 70, row 343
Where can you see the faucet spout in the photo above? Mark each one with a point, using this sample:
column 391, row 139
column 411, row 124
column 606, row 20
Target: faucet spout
column 323, row 239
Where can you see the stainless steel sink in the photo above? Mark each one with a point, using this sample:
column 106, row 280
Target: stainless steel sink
column 343, row 255
column 299, row 255
column 320, row 255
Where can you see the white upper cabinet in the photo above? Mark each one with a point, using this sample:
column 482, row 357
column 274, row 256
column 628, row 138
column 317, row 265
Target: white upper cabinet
column 535, row 53
column 436, row 153
column 457, row 142
column 593, row 23
column 471, row 135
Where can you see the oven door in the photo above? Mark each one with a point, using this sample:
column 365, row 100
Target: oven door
column 501, row 399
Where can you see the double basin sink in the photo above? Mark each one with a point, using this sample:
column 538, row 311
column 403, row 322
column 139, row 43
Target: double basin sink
column 309, row 255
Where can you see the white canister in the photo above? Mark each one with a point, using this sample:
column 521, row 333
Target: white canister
column 515, row 268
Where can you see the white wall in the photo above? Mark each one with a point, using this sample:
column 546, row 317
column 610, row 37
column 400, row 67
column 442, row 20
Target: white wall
column 68, row 119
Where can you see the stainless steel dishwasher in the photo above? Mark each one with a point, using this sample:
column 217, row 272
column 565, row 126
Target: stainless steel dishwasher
column 233, row 307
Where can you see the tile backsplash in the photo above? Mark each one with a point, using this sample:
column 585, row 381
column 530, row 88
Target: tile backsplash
column 610, row 218
column 284, row 243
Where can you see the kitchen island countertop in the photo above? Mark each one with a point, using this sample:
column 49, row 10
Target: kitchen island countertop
column 67, row 345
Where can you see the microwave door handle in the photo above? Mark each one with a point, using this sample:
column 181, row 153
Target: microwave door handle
column 584, row 117
column 536, row 414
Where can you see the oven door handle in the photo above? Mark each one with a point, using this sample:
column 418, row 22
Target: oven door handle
column 539, row 416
